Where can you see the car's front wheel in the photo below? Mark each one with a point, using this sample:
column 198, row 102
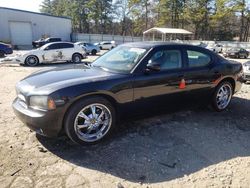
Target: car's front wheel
column 1, row 53
column 31, row 61
column 94, row 52
column 222, row 96
column 90, row 120
column 76, row 58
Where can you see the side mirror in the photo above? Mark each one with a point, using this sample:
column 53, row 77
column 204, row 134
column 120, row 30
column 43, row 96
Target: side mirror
column 46, row 49
column 153, row 66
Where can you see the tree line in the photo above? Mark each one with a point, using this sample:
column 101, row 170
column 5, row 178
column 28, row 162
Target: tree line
column 207, row 19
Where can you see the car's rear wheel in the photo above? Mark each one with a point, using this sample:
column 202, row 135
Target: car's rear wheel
column 94, row 52
column 31, row 61
column 1, row 54
column 76, row 58
column 90, row 120
column 222, row 96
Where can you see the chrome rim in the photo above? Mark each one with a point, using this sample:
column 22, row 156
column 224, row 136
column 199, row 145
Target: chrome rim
column 224, row 96
column 31, row 60
column 93, row 122
column 77, row 59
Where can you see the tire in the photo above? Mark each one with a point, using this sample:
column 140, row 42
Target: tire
column 219, row 103
column 100, row 48
column 31, row 61
column 76, row 58
column 74, row 116
column 94, row 52
column 1, row 54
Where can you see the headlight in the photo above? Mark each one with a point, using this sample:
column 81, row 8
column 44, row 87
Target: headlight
column 42, row 103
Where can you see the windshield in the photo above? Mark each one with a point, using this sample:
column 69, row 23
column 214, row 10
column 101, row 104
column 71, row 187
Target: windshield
column 120, row 59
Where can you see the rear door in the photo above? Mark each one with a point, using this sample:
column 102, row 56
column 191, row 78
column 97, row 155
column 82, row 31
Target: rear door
column 200, row 70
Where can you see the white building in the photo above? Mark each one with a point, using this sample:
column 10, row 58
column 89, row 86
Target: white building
column 20, row 27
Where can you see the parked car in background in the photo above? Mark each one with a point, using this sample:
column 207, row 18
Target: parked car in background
column 236, row 53
column 5, row 49
column 89, row 47
column 41, row 42
column 246, row 71
column 53, row 52
column 85, row 101
column 218, row 48
column 106, row 45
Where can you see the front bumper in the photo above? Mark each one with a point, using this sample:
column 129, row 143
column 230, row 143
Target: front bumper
column 46, row 123
column 246, row 76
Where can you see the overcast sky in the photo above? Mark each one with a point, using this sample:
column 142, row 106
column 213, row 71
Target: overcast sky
column 30, row 5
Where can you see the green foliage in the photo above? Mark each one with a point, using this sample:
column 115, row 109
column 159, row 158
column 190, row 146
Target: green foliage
column 207, row 19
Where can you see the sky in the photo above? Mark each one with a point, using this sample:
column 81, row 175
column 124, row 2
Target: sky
column 30, row 5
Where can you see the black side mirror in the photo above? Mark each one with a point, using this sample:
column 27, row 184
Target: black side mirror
column 153, row 66
column 46, row 49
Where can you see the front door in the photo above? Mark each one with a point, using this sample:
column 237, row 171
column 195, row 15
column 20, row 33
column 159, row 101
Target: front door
column 52, row 53
column 153, row 87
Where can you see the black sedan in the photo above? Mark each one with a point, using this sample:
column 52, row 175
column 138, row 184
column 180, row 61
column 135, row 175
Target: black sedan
column 236, row 53
column 86, row 101
column 39, row 43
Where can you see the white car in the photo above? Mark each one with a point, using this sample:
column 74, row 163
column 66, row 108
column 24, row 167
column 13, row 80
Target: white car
column 215, row 48
column 105, row 45
column 89, row 47
column 53, row 52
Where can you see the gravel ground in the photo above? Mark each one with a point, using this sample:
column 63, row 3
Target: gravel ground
column 195, row 147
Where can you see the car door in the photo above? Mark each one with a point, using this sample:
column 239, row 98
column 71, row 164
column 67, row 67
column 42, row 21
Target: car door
column 67, row 50
column 200, row 71
column 156, row 87
column 52, row 53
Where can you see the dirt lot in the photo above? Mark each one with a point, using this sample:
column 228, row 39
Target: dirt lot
column 195, row 147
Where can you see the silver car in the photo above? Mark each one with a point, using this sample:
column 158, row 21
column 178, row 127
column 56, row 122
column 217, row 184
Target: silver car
column 246, row 71
column 89, row 47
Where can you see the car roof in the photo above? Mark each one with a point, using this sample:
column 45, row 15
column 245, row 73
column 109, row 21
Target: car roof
column 150, row 44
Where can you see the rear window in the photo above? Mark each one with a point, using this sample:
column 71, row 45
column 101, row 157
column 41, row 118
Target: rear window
column 198, row 59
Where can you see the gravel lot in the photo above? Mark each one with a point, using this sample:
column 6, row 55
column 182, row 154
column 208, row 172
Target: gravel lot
column 195, row 147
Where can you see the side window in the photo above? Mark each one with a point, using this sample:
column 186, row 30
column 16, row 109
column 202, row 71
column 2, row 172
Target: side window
column 198, row 59
column 53, row 47
column 65, row 45
column 167, row 59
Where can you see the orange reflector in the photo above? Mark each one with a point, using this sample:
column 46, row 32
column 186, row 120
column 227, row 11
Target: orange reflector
column 51, row 104
column 182, row 84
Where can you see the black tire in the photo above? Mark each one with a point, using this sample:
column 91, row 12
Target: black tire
column 215, row 104
column 31, row 61
column 100, row 48
column 76, row 58
column 94, row 52
column 69, row 123
column 1, row 53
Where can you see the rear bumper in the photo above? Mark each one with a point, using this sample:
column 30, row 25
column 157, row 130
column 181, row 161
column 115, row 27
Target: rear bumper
column 46, row 123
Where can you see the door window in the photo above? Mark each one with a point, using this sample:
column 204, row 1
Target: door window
column 65, row 45
column 198, row 59
column 167, row 59
column 53, row 47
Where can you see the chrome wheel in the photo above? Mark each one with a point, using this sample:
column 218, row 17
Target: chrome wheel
column 77, row 58
column 93, row 122
column 224, row 95
column 31, row 61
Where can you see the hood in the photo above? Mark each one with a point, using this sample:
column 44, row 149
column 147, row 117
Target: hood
column 49, row 80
